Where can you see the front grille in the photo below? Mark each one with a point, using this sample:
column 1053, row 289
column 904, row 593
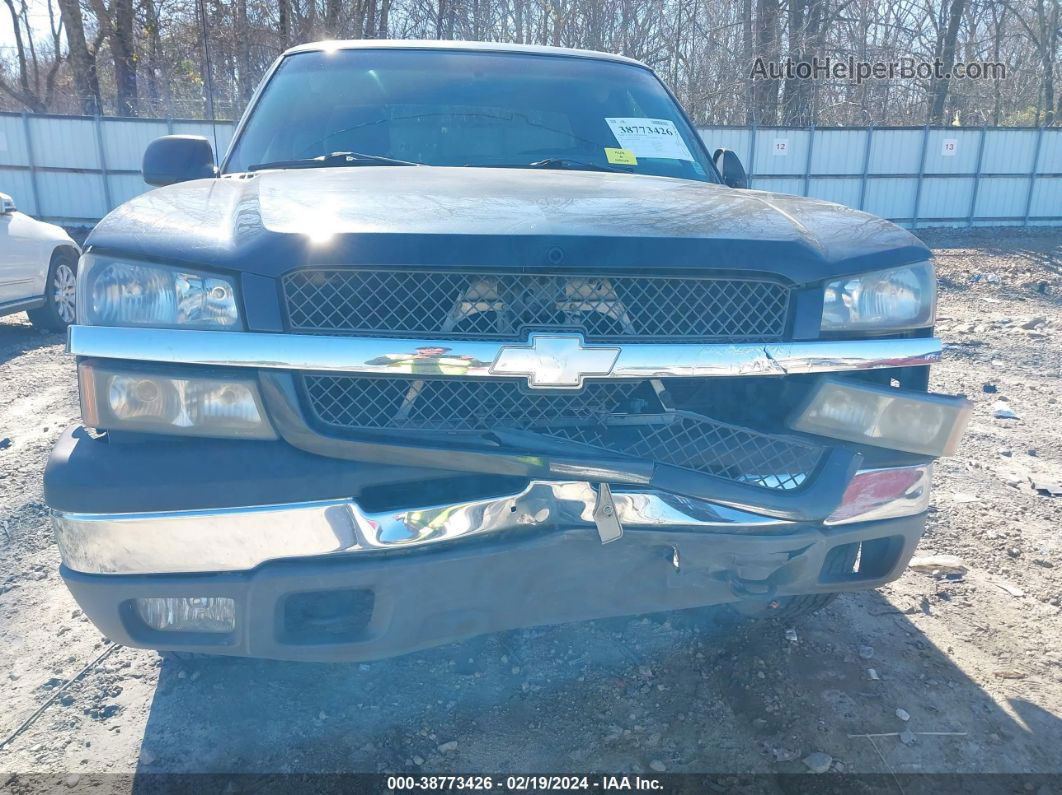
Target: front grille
column 454, row 404
column 704, row 445
column 624, row 418
column 449, row 305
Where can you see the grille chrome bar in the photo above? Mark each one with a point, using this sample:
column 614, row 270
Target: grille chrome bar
column 473, row 359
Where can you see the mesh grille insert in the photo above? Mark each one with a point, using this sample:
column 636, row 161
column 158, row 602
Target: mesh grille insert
column 452, row 403
column 449, row 305
column 708, row 446
column 619, row 417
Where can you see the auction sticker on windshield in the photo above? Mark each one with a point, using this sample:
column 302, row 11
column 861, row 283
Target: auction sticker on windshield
column 620, row 157
column 650, row 138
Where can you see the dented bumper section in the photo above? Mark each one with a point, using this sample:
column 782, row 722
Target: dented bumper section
column 233, row 539
column 363, row 607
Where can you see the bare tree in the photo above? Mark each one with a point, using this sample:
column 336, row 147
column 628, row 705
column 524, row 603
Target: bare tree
column 132, row 56
column 29, row 91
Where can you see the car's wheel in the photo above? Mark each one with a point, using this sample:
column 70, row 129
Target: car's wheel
column 58, row 311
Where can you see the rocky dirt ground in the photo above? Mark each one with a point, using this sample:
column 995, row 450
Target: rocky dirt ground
column 948, row 675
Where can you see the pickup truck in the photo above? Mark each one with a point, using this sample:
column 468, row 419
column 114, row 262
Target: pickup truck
column 459, row 338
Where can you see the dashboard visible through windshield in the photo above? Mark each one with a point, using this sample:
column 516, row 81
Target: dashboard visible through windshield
column 468, row 108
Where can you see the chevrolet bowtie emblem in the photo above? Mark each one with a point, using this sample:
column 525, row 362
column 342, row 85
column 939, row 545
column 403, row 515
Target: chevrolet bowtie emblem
column 555, row 360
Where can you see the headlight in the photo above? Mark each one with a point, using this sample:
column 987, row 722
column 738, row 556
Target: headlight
column 882, row 416
column 898, row 298
column 119, row 293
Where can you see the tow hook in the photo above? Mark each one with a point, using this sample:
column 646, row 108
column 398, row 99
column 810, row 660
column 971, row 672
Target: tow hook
column 608, row 524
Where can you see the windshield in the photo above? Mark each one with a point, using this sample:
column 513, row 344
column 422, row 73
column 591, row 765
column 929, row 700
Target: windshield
column 461, row 108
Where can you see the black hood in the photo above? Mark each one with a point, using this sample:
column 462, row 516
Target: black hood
column 272, row 221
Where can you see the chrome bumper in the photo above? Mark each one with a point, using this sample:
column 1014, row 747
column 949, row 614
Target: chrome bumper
column 238, row 539
column 376, row 355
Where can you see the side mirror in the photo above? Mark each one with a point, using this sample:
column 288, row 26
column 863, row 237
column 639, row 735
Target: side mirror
column 7, row 204
column 178, row 158
column 729, row 165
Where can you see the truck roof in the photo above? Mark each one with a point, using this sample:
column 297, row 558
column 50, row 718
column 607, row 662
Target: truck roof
column 432, row 44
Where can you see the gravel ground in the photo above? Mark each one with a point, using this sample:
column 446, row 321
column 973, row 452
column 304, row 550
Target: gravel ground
column 977, row 657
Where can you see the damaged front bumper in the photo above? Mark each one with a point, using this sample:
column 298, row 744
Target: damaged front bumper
column 334, row 580
column 322, row 543
column 371, row 607
column 233, row 539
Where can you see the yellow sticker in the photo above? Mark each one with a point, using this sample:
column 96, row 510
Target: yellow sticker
column 620, row 157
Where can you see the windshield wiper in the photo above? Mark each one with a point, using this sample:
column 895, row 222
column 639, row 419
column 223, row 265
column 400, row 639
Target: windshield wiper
column 553, row 162
column 573, row 165
column 335, row 159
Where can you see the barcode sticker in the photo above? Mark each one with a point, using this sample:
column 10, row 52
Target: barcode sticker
column 650, row 138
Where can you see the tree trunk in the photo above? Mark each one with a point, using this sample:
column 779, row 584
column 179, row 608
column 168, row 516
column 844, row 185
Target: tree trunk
column 1049, row 88
column 244, row 80
column 332, row 8
column 23, row 71
column 747, row 58
column 284, row 22
column 1049, row 35
column 997, row 43
column 23, row 93
column 793, row 98
column 800, row 94
column 369, row 26
column 765, row 92
column 385, row 13
column 123, row 52
column 155, row 86
column 947, row 56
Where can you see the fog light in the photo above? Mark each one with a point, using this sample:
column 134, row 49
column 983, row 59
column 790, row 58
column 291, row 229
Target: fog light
column 884, row 417
column 189, row 404
column 188, row 613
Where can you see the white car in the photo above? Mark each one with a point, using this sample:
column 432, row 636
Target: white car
column 38, row 269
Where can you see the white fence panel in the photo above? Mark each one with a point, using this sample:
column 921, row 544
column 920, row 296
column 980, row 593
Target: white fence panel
column 891, row 198
column 13, row 141
column 69, row 144
column 18, row 184
column 74, row 169
column 124, row 141
column 838, row 151
column 844, row 191
column 1001, row 198
column 895, row 152
column 918, row 176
